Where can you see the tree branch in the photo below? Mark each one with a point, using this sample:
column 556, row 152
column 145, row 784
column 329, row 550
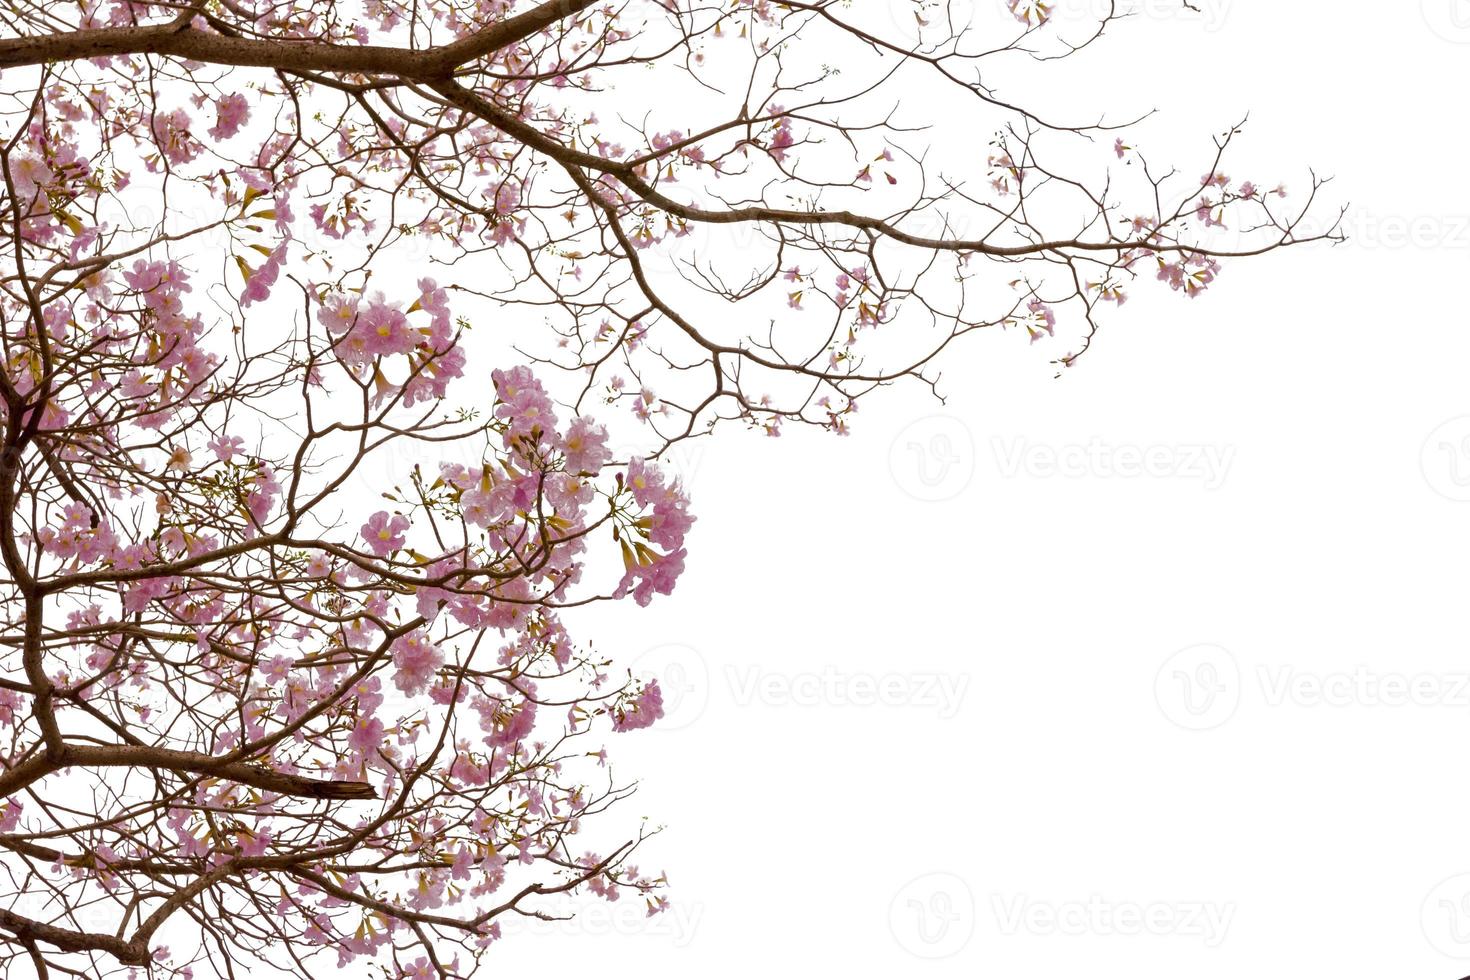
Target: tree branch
column 172, row 41
column 198, row 763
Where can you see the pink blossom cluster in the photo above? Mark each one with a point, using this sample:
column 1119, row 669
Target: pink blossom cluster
column 232, row 111
column 171, row 131
column 367, row 330
column 667, row 521
column 781, row 139
column 1191, row 274
column 179, row 359
column 641, row 711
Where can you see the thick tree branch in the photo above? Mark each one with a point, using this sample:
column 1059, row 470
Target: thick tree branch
column 198, row 763
column 127, row 952
column 177, row 41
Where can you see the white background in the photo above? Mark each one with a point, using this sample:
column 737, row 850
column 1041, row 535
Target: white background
column 1311, row 831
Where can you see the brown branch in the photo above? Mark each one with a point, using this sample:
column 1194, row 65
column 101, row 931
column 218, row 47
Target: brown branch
column 129, row 953
column 173, row 40
column 198, row 763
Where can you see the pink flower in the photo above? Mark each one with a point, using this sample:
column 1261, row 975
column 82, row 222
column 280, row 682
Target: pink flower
column 337, row 314
column 384, row 329
column 670, row 522
column 384, row 533
column 367, row 734
column 259, row 282
column 253, row 844
column 171, row 130
column 585, row 447
column 478, row 507
column 782, row 140
column 1045, row 319
column 647, row 708
column 646, row 482
column 506, row 721
column 276, row 670
column 263, row 493
column 10, row 814
column 225, row 447
column 134, row 385
column 30, row 174
column 435, row 302
column 523, row 403
column 657, row 576
column 231, row 113
column 416, row 660
column 507, row 197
